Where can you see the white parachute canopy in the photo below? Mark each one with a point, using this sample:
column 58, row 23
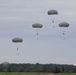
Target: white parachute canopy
column 52, row 12
column 64, row 25
column 17, row 40
column 37, row 25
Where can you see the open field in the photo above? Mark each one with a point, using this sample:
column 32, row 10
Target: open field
column 66, row 74
column 24, row 73
column 33, row 73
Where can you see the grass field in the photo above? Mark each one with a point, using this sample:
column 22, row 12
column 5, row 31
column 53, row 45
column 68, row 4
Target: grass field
column 23, row 73
column 33, row 73
column 66, row 74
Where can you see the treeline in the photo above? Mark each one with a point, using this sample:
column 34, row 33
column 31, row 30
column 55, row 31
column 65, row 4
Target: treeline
column 53, row 68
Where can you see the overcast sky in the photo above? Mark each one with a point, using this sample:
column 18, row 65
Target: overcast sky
column 16, row 19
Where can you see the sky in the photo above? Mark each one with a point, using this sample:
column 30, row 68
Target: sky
column 16, row 19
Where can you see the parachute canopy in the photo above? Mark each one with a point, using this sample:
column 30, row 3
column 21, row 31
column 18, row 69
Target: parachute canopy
column 37, row 25
column 63, row 24
column 5, row 63
column 52, row 12
column 5, row 66
column 17, row 40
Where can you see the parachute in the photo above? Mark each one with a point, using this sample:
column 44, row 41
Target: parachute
column 52, row 12
column 17, row 40
column 5, row 66
column 37, row 25
column 64, row 25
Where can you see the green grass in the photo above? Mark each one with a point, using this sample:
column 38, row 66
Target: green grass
column 66, row 74
column 23, row 73
column 33, row 73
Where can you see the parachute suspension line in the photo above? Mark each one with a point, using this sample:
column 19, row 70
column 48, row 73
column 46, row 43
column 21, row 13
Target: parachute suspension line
column 52, row 20
column 17, row 40
column 64, row 34
column 37, row 25
column 17, row 49
column 53, row 23
column 51, row 13
column 65, row 25
column 37, row 34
